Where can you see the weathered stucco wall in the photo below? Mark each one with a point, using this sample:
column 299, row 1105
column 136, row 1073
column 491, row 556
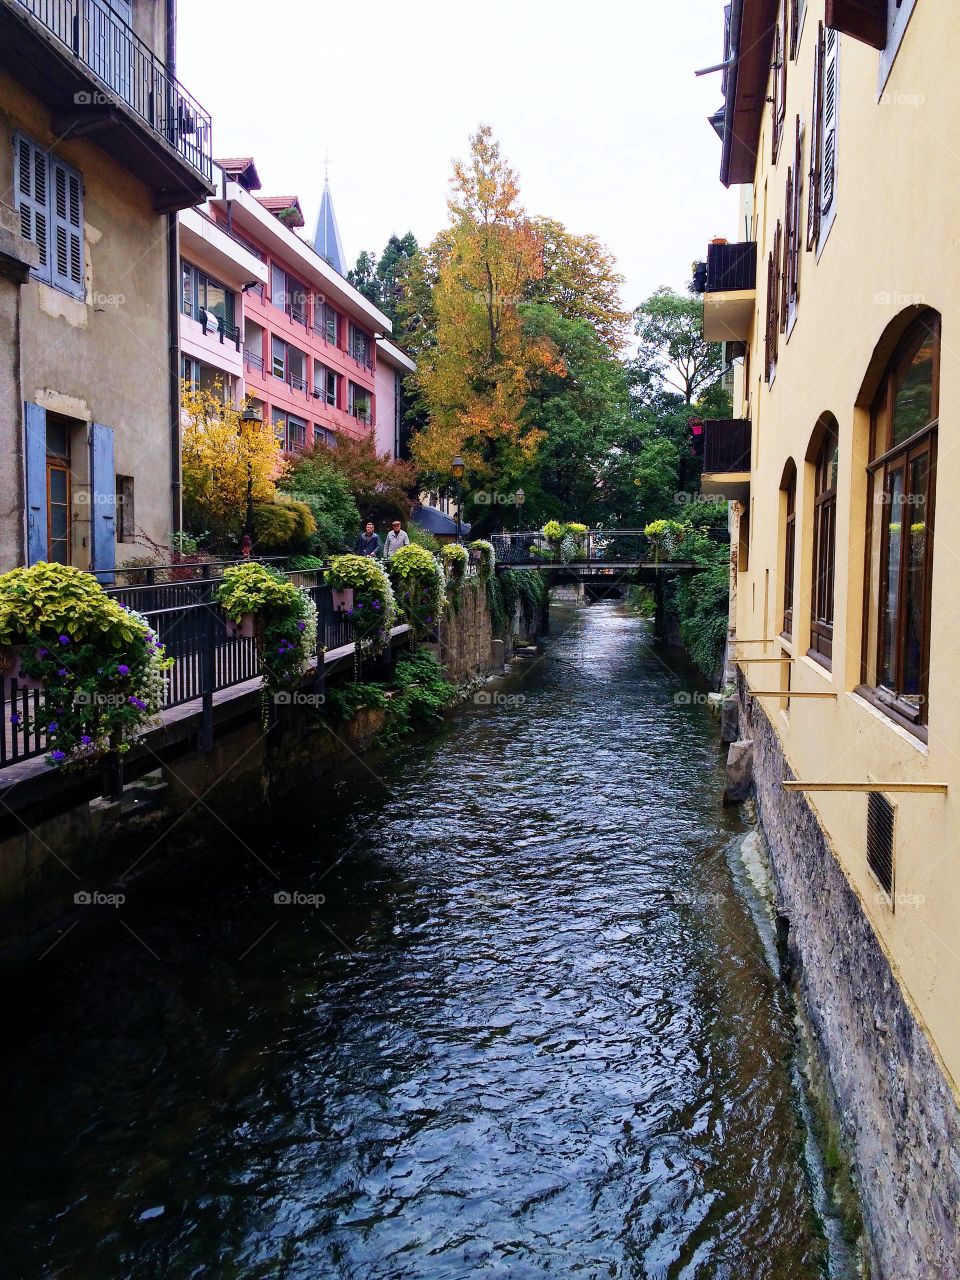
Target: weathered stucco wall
column 893, row 1101
column 104, row 359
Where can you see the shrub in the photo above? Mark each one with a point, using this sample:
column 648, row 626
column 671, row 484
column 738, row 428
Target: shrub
column 421, row 538
column 374, row 609
column 304, row 564
column 487, row 558
column 286, row 621
column 666, row 536
column 100, row 664
column 314, row 480
column 273, row 525
column 418, row 585
column 304, row 524
column 455, row 561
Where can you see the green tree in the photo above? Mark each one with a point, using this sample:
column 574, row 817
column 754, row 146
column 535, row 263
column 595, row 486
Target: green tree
column 386, row 281
column 673, row 354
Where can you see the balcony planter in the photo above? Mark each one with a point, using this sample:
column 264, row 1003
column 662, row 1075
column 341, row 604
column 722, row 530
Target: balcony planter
column 343, row 600
column 245, row 628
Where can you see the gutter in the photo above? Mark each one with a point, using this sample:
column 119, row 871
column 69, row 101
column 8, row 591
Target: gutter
column 173, row 309
column 730, row 87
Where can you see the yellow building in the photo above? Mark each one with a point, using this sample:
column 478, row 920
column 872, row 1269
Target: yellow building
column 840, row 298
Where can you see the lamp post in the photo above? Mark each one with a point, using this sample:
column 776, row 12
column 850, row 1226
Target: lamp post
column 520, row 498
column 250, row 418
column 457, row 469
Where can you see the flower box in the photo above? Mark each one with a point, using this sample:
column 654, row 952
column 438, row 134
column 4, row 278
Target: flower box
column 10, row 664
column 245, row 629
column 343, row 600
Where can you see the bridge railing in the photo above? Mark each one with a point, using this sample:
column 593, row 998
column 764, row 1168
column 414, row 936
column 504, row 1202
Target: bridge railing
column 595, row 547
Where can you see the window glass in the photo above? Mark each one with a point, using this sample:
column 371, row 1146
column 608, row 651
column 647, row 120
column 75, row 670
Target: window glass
column 890, row 568
column 913, row 397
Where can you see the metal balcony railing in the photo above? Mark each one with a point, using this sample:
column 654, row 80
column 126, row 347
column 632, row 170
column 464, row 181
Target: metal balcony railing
column 731, row 267
column 131, row 72
column 253, row 361
column 726, row 445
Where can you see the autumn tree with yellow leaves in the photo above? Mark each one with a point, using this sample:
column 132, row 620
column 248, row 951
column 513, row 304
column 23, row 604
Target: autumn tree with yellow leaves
column 219, row 452
column 475, row 374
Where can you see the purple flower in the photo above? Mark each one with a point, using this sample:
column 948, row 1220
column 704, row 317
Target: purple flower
column 42, row 653
column 64, row 639
column 62, row 671
column 376, row 604
column 85, row 739
column 57, row 756
column 137, row 702
column 301, row 626
column 123, row 669
column 15, row 719
column 52, row 727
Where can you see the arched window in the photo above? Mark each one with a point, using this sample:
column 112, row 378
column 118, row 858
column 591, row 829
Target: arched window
column 824, row 546
column 902, row 468
column 789, row 488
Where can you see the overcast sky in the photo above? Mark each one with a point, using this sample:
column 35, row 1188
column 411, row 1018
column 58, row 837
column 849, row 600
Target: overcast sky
column 595, row 105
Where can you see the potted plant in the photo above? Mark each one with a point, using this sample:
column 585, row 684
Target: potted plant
column 373, row 608
column 418, row 585
column 99, row 663
column 486, row 558
column 343, row 599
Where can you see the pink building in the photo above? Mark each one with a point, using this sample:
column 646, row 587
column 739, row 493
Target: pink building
column 310, row 340
column 392, row 367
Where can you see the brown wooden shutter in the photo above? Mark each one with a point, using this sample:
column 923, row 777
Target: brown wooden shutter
column 797, row 212
column 777, row 281
column 768, row 331
column 864, row 20
column 794, row 27
column 816, row 144
column 787, row 273
column 828, row 174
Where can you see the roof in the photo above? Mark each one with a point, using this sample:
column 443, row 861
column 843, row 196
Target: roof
column 241, row 169
column 326, row 238
column 279, row 204
column 395, row 355
column 437, row 522
column 749, row 52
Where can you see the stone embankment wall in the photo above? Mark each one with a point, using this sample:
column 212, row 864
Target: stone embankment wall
column 894, row 1104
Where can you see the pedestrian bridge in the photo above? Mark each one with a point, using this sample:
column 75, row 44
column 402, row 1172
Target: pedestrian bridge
column 595, row 555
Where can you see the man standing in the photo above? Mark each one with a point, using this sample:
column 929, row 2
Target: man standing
column 396, row 538
column 368, row 544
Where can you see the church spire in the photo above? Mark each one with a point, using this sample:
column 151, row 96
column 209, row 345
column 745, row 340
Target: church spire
column 326, row 239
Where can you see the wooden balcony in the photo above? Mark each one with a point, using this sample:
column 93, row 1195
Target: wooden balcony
column 726, row 458
column 730, row 296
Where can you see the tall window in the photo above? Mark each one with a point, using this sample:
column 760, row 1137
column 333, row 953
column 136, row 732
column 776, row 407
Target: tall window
column 49, row 200
column 789, row 546
column 326, row 322
column 779, row 96
column 202, row 296
column 903, row 451
column 360, row 346
column 824, row 548
column 324, row 383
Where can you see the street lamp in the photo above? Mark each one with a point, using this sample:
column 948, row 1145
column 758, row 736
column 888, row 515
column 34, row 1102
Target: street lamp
column 249, row 419
column 457, row 469
column 521, row 498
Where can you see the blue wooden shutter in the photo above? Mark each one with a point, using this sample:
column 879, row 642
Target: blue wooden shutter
column 31, row 174
column 67, row 219
column 35, row 456
column 103, row 500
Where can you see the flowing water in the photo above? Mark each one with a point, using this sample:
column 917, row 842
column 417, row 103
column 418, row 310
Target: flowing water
column 532, row 1030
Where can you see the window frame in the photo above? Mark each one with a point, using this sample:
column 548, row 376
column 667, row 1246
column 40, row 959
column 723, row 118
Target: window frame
column 887, row 463
column 789, row 556
column 62, row 221
column 824, row 575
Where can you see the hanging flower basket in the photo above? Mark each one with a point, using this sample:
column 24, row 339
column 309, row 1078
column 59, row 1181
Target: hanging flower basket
column 11, row 668
column 245, row 628
column 343, row 600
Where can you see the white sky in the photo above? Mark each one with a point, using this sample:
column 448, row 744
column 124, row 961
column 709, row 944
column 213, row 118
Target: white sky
column 595, row 105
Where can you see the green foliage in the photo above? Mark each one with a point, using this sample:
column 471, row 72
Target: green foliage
column 286, row 622
column 304, row 564
column 701, row 600
column 526, row 586
column 315, row 481
column 419, row 588
column 487, row 559
column 415, row 699
column 421, row 538
column 666, row 536
column 386, row 282
column 99, row 663
column 345, row 700
column 274, row 526
column 374, row 609
column 254, row 588
column 455, row 561
column 673, row 354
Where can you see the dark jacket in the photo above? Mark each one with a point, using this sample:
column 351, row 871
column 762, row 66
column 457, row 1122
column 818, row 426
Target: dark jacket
column 368, row 546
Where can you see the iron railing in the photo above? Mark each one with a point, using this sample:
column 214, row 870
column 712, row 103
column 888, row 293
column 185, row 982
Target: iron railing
column 726, row 445
column 131, row 72
column 731, row 267
column 253, row 361
column 194, row 631
column 597, row 547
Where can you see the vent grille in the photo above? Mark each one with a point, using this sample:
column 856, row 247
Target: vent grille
column 880, row 814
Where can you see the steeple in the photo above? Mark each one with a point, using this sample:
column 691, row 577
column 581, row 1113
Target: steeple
column 326, row 239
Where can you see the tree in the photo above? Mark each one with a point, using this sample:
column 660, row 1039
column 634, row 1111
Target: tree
column 580, row 280
column 385, row 282
column 219, row 452
column 379, row 486
column 673, row 352
column 474, row 376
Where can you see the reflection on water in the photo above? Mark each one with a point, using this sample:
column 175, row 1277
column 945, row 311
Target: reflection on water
column 530, row 1032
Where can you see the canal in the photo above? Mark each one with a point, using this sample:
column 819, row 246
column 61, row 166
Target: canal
column 517, row 1018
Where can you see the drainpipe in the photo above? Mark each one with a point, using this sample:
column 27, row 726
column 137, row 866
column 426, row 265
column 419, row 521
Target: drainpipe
column 173, row 307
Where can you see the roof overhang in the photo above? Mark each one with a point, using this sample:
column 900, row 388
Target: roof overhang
column 392, row 354
column 250, row 217
column 206, row 244
column 752, row 26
